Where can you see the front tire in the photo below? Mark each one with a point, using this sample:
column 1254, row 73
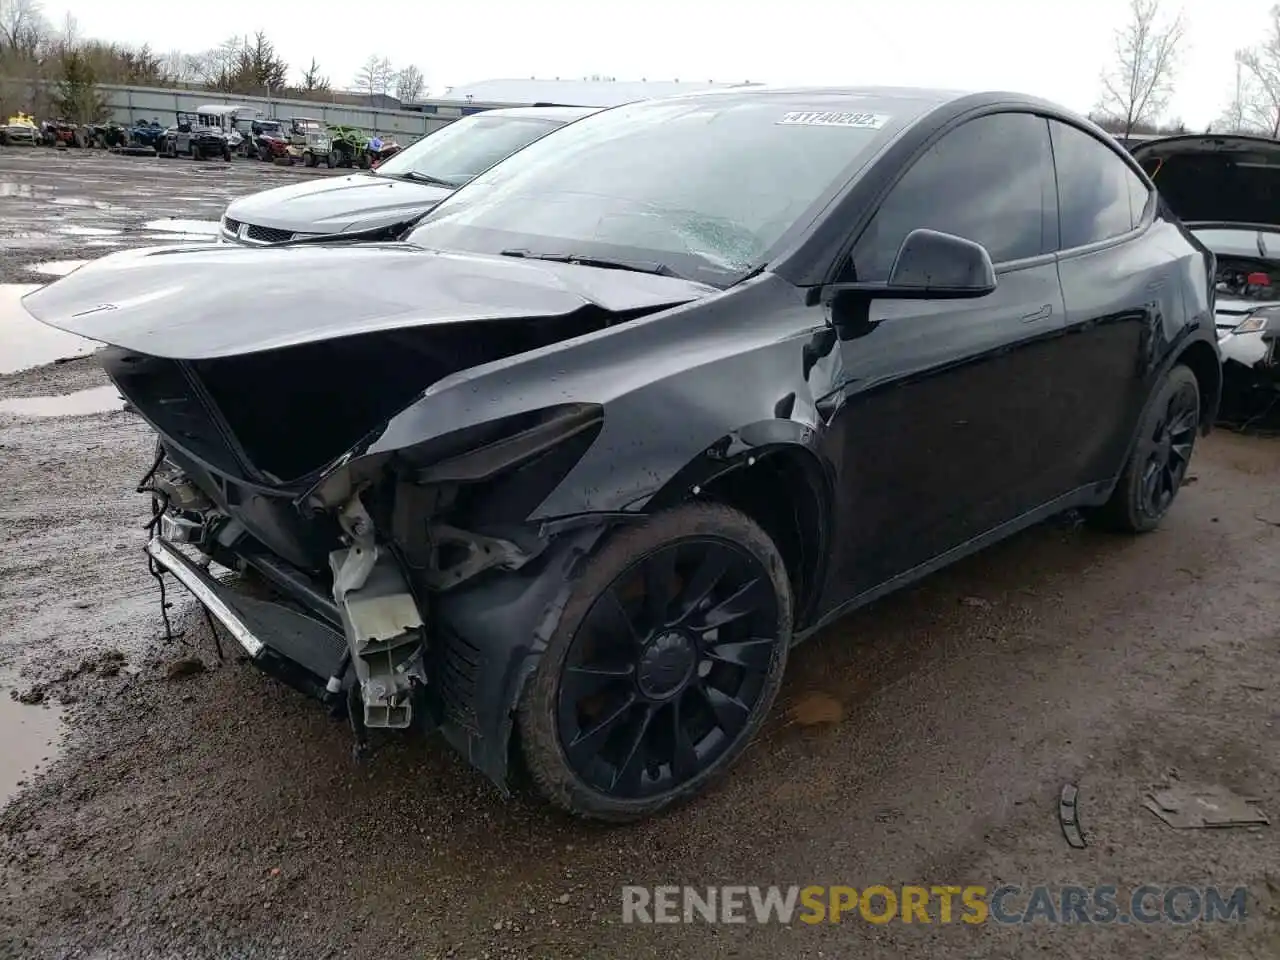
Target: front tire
column 665, row 662
column 1158, row 464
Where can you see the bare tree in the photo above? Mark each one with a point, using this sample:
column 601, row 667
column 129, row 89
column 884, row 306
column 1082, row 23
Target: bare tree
column 1237, row 115
column 178, row 67
column 1137, row 88
column 376, row 76
column 409, row 84
column 1261, row 66
column 22, row 27
column 214, row 68
column 69, row 37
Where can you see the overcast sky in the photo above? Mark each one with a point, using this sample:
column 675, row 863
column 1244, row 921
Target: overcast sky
column 1052, row 49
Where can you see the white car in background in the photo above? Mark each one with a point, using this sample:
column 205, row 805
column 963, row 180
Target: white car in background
column 1226, row 191
column 403, row 187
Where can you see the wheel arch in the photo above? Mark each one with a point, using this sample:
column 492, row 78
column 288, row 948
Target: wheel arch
column 1203, row 361
column 772, row 472
column 759, row 471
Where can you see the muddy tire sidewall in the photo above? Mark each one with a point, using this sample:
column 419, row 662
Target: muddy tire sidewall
column 1124, row 511
column 543, row 755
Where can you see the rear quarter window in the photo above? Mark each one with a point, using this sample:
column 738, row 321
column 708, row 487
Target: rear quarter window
column 1099, row 195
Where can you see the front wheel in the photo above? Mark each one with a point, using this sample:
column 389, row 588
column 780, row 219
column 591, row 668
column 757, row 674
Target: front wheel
column 1158, row 464
column 667, row 657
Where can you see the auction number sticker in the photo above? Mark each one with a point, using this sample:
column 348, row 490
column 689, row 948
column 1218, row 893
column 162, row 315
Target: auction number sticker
column 820, row 118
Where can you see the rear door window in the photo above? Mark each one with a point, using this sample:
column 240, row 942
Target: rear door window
column 989, row 180
column 1099, row 195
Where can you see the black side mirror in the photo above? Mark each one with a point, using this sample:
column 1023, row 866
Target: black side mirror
column 942, row 265
column 930, row 265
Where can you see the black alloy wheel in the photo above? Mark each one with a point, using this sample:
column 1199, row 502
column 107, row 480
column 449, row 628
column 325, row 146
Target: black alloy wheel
column 676, row 643
column 1169, row 449
column 1158, row 465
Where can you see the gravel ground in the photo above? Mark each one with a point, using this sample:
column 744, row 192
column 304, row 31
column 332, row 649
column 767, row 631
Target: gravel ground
column 74, row 204
column 209, row 812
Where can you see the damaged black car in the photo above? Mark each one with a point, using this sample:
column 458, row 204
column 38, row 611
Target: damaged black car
column 566, row 472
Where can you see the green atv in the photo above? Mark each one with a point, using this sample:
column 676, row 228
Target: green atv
column 351, row 145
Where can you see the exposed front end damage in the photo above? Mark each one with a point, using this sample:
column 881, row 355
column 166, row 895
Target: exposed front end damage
column 414, row 622
column 361, row 548
column 391, row 512
column 383, row 625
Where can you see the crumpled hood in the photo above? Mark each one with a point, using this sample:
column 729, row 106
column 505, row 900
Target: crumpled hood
column 337, row 204
column 220, row 300
column 1215, row 179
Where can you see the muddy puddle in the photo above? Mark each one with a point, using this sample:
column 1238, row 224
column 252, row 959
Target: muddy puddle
column 179, row 238
column 183, row 228
column 26, row 342
column 78, row 404
column 74, row 231
column 30, row 740
column 83, row 203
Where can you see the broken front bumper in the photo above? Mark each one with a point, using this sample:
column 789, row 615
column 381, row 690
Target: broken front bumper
column 296, row 647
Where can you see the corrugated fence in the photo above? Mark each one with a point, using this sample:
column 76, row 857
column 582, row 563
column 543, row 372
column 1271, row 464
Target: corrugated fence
column 128, row 104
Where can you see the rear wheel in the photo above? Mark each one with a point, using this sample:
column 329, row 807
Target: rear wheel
column 1158, row 465
column 665, row 662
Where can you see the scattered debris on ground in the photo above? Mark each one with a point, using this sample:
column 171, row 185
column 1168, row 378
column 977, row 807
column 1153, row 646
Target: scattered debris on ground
column 1187, row 807
column 1069, row 815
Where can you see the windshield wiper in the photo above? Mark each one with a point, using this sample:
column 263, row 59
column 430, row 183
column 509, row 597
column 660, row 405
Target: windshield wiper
column 607, row 263
column 417, row 177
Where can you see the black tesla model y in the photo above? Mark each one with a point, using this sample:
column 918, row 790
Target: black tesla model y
column 565, row 471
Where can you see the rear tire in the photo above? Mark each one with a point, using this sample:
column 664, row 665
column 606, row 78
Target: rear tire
column 664, row 664
column 1158, row 464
